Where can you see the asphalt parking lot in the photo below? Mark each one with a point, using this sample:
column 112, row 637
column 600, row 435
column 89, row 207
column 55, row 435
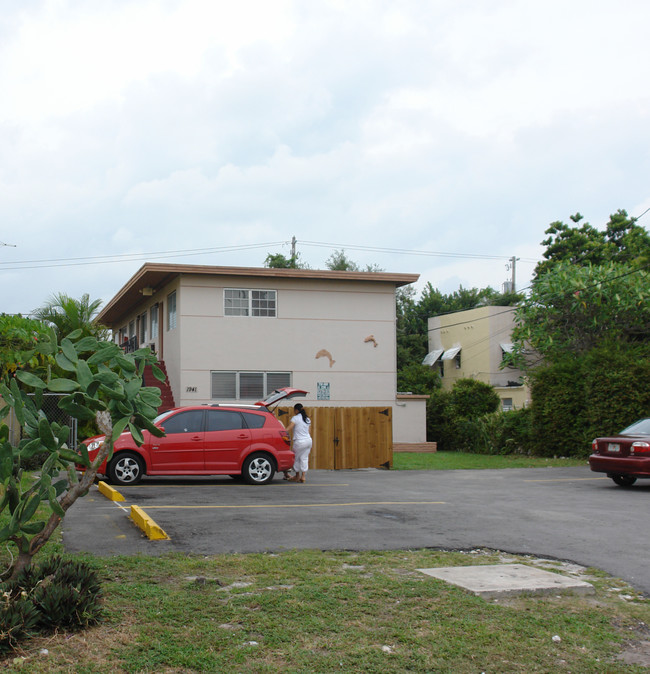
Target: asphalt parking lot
column 563, row 513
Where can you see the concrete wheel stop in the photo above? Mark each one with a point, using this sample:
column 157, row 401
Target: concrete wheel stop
column 506, row 580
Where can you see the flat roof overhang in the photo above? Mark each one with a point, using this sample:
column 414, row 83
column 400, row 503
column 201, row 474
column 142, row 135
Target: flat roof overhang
column 155, row 275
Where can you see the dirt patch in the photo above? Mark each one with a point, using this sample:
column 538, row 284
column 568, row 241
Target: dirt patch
column 636, row 653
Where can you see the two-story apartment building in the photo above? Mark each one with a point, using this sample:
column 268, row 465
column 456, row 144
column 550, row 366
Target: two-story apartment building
column 234, row 334
column 471, row 344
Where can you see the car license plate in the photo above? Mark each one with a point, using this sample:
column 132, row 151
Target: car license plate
column 613, row 447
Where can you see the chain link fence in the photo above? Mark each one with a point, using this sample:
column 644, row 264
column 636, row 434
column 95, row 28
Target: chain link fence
column 53, row 413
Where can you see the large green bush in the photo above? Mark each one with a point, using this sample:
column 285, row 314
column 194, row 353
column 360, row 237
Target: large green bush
column 558, row 408
column 471, row 398
column 504, row 433
column 454, row 417
column 579, row 398
column 439, row 417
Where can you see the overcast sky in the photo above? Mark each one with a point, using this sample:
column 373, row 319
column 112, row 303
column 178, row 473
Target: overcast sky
column 163, row 129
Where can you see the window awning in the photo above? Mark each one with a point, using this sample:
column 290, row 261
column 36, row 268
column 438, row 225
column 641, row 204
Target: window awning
column 507, row 348
column 432, row 357
column 450, row 354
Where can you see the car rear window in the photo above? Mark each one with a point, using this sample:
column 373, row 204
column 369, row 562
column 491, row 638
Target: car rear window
column 639, row 428
column 254, row 420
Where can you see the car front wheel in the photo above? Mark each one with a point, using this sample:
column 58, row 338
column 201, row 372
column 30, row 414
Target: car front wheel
column 258, row 469
column 126, row 468
column 623, row 480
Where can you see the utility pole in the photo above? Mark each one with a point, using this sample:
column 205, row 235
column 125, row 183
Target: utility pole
column 512, row 266
column 293, row 247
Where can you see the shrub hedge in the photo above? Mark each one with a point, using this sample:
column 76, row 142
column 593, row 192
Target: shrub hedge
column 579, row 398
column 574, row 400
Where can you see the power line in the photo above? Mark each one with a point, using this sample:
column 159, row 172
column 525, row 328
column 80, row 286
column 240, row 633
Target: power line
column 129, row 257
column 509, row 310
column 404, row 251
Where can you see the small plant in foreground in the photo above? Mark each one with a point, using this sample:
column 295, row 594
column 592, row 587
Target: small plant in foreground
column 56, row 593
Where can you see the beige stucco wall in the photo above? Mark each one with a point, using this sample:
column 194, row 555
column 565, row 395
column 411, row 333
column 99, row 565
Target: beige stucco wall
column 480, row 332
column 410, row 418
column 312, row 315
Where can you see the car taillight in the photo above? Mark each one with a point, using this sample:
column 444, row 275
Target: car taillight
column 640, row 448
column 594, row 446
column 285, row 436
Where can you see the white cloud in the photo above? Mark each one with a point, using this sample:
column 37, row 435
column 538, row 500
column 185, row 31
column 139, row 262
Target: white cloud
column 465, row 127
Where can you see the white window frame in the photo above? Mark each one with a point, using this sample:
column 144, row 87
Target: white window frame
column 171, row 311
column 154, row 315
column 144, row 332
column 244, row 302
column 269, row 383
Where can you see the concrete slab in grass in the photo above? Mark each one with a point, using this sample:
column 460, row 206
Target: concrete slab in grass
column 500, row 580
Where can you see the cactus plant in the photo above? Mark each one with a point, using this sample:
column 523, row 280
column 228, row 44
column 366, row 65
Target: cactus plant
column 99, row 380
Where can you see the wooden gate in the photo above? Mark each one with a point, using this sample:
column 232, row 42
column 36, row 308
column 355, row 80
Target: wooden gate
column 348, row 437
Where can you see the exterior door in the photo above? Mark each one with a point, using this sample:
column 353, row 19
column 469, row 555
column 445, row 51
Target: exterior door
column 226, row 439
column 181, row 450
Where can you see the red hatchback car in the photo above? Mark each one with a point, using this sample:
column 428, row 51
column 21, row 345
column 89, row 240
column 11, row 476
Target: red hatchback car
column 624, row 457
column 205, row 440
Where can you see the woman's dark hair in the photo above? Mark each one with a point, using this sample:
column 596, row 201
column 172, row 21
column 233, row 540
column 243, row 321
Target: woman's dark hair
column 299, row 409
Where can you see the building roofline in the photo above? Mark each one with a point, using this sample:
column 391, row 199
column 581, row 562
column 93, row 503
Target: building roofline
column 155, row 275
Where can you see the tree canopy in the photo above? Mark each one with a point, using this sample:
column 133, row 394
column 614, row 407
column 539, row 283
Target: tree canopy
column 571, row 309
column 19, row 343
column 68, row 314
column 339, row 261
column 622, row 240
column 279, row 261
column 592, row 287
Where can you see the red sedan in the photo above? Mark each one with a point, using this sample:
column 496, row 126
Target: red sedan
column 624, row 457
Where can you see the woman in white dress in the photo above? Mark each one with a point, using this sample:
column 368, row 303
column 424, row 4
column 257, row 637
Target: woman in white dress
column 299, row 428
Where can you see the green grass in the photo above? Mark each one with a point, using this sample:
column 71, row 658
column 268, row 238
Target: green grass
column 327, row 611
column 314, row 611
column 460, row 460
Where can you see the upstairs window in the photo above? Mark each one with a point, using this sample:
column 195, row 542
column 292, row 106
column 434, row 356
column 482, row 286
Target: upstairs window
column 143, row 328
column 171, row 311
column 154, row 321
column 244, row 302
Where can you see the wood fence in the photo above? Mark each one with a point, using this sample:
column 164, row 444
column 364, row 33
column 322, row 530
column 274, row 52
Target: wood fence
column 348, row 437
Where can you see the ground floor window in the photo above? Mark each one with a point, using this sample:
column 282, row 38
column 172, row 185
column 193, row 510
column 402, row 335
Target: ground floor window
column 244, row 385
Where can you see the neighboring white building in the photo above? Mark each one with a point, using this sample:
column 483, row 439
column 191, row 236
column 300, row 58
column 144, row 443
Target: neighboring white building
column 471, row 344
column 234, row 334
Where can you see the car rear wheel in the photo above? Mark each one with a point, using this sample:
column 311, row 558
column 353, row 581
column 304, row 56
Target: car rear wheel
column 126, row 468
column 623, row 480
column 258, row 469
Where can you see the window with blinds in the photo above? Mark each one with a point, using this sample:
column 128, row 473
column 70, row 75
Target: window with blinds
column 233, row 385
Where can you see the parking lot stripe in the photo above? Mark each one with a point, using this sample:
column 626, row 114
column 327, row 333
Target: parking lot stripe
column 294, row 505
column 229, row 484
column 569, row 479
